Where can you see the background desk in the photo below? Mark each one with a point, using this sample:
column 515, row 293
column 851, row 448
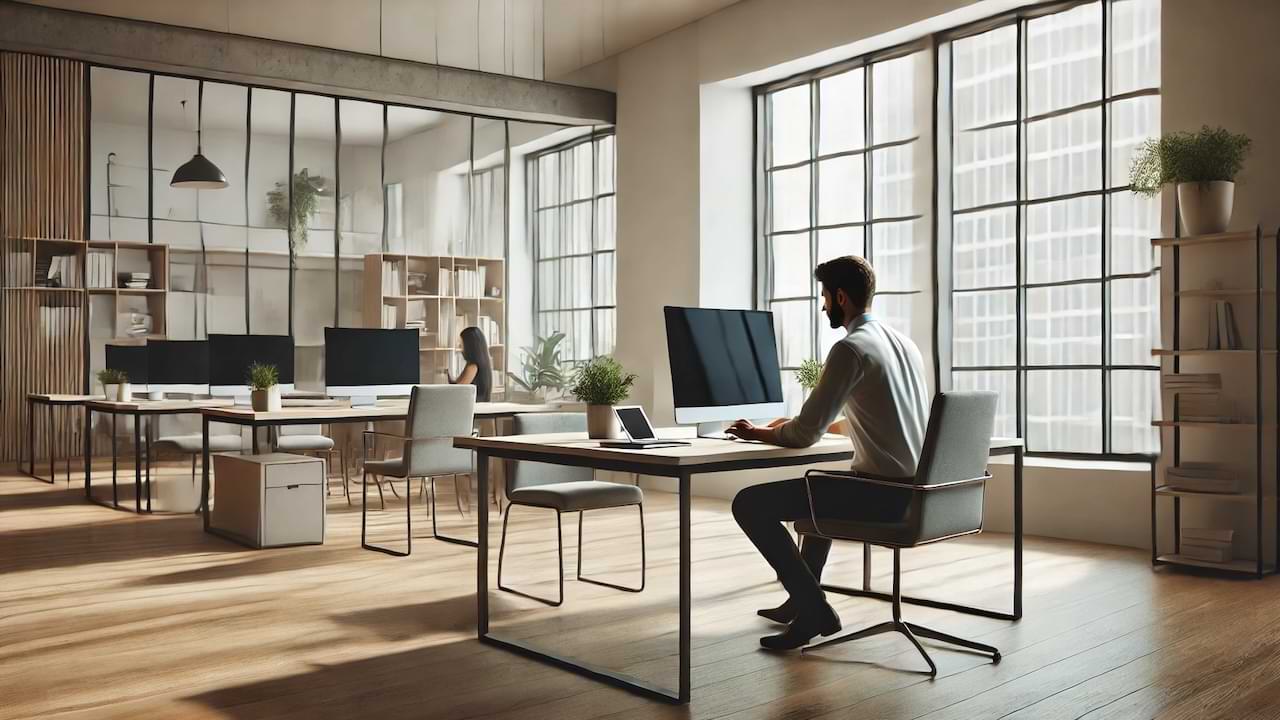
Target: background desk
column 328, row 414
column 50, row 401
column 682, row 463
column 137, row 409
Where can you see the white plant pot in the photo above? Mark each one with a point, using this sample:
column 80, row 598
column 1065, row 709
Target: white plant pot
column 110, row 392
column 266, row 400
column 124, row 392
column 1205, row 208
column 602, row 423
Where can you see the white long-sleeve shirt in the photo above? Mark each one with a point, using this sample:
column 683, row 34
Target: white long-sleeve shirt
column 875, row 375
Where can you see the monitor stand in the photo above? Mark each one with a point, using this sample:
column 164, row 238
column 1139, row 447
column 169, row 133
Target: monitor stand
column 364, row 400
column 713, row 430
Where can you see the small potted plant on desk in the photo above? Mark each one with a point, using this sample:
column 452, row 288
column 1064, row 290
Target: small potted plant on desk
column 115, row 385
column 1203, row 165
column 601, row 384
column 264, row 380
column 807, row 375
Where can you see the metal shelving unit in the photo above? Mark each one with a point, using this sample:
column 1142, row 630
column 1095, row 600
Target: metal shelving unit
column 1262, row 429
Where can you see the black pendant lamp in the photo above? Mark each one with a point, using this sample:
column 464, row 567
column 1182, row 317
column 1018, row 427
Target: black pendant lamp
column 199, row 173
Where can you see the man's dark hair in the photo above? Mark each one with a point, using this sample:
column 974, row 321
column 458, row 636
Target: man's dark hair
column 853, row 275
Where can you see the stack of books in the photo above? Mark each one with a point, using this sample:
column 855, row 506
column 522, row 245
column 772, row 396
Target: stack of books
column 1223, row 333
column 418, row 325
column 391, row 281
column 1206, row 409
column 63, row 271
column 1202, row 477
column 418, row 284
column 101, row 269
column 1207, row 544
column 133, row 324
column 1192, row 382
column 134, row 280
column 489, row 328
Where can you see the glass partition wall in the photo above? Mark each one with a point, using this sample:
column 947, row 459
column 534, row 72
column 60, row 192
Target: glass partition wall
column 316, row 184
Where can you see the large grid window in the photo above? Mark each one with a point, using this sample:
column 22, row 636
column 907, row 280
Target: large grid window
column 573, row 200
column 845, row 167
column 1054, row 285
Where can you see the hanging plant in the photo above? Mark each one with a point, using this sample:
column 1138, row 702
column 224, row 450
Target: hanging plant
column 306, row 189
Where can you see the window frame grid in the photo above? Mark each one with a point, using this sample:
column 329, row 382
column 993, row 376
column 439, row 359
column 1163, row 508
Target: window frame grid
column 533, row 177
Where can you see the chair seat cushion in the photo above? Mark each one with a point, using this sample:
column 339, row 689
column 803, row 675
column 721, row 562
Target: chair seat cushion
column 391, row 467
column 583, row 495
column 191, row 444
column 299, row 443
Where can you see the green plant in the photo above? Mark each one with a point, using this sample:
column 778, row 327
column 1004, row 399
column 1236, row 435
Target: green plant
column 808, row 373
column 541, row 367
column 263, row 376
column 603, row 381
column 111, row 376
column 306, row 188
column 1183, row 157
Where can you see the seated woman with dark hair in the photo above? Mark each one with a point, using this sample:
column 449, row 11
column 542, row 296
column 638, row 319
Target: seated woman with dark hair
column 478, row 370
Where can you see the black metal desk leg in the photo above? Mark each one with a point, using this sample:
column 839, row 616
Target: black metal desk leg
column 115, row 462
column 686, row 587
column 482, row 546
column 204, row 471
column 148, row 457
column 88, row 450
column 53, row 473
column 1017, row 533
column 137, row 463
column 31, row 437
column 866, row 567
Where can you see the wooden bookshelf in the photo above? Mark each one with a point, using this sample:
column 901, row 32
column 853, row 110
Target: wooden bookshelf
column 446, row 293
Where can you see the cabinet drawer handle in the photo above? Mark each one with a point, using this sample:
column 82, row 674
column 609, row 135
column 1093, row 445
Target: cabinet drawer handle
column 292, row 487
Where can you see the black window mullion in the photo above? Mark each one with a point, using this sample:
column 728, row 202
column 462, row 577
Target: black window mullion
column 815, row 112
column 1020, row 329
column 1104, row 148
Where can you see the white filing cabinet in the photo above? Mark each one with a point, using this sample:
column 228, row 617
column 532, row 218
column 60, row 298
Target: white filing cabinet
column 270, row 500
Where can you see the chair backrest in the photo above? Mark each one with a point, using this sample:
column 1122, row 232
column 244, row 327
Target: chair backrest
column 523, row 473
column 300, row 430
column 437, row 414
column 957, row 442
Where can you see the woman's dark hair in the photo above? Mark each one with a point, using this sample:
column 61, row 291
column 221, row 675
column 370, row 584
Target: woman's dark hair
column 475, row 350
column 853, row 275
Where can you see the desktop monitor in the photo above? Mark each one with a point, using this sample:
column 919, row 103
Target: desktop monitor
column 363, row 363
column 231, row 355
column 178, row 366
column 132, row 359
column 724, row 365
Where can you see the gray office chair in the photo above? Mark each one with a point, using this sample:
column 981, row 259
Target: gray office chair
column 945, row 502
column 563, row 489
column 193, row 445
column 437, row 414
column 303, row 439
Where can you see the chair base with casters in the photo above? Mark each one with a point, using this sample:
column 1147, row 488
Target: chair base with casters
column 502, row 547
column 912, row 631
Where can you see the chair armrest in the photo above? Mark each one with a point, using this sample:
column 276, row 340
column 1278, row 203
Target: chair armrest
column 873, row 480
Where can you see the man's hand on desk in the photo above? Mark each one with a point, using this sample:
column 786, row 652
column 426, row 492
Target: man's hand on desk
column 747, row 431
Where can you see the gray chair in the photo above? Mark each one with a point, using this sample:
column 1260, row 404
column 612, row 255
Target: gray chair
column 563, row 489
column 437, row 414
column 193, row 445
column 945, row 502
column 302, row 439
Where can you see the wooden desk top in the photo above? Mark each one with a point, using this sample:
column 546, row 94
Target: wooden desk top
column 700, row 451
column 157, row 407
column 56, row 399
column 386, row 410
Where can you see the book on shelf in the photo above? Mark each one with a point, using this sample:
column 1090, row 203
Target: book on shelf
column 392, row 282
column 1192, row 382
column 1223, row 331
column 136, row 280
column 1202, row 477
column 1205, row 553
column 489, row 328
column 133, row 324
column 100, row 269
column 1207, row 544
column 63, row 271
column 1207, row 408
column 1208, row 535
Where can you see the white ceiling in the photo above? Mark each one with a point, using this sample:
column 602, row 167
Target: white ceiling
column 541, row 39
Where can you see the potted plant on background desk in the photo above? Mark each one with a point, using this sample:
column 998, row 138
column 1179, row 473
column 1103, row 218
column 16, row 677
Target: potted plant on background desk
column 115, row 385
column 601, row 384
column 541, row 368
column 264, row 380
column 1203, row 165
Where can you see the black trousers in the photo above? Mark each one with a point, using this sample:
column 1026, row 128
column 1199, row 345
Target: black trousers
column 762, row 509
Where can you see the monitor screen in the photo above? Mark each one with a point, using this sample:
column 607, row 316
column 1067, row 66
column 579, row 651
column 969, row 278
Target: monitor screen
column 231, row 355
column 132, row 359
column 724, row 359
column 178, row 362
column 362, row 357
column 635, row 422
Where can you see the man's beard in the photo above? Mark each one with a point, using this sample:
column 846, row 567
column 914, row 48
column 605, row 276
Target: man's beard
column 835, row 314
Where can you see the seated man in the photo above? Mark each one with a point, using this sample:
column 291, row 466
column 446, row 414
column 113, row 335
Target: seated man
column 876, row 376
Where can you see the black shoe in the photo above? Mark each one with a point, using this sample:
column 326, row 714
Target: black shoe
column 783, row 614
column 807, row 625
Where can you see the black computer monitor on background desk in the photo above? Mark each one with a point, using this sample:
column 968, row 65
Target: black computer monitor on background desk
column 178, row 366
column 365, row 363
column 231, row 355
column 132, row 359
column 724, row 366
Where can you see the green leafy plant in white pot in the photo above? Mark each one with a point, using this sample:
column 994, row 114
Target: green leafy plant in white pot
column 601, row 384
column 807, row 375
column 264, row 382
column 1202, row 164
column 541, row 368
column 115, row 385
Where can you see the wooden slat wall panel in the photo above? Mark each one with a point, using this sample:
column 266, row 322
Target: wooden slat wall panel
column 43, row 116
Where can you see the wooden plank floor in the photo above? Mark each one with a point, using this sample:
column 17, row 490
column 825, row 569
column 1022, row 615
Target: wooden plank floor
column 108, row 614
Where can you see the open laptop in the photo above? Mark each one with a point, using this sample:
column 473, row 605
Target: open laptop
column 635, row 424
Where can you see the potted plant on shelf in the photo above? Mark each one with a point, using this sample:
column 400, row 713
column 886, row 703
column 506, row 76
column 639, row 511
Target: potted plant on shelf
column 1203, row 165
column 264, row 380
column 807, row 375
column 541, row 368
column 601, row 384
column 115, row 385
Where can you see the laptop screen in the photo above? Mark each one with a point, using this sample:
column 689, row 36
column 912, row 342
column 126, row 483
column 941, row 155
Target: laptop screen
column 636, row 424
